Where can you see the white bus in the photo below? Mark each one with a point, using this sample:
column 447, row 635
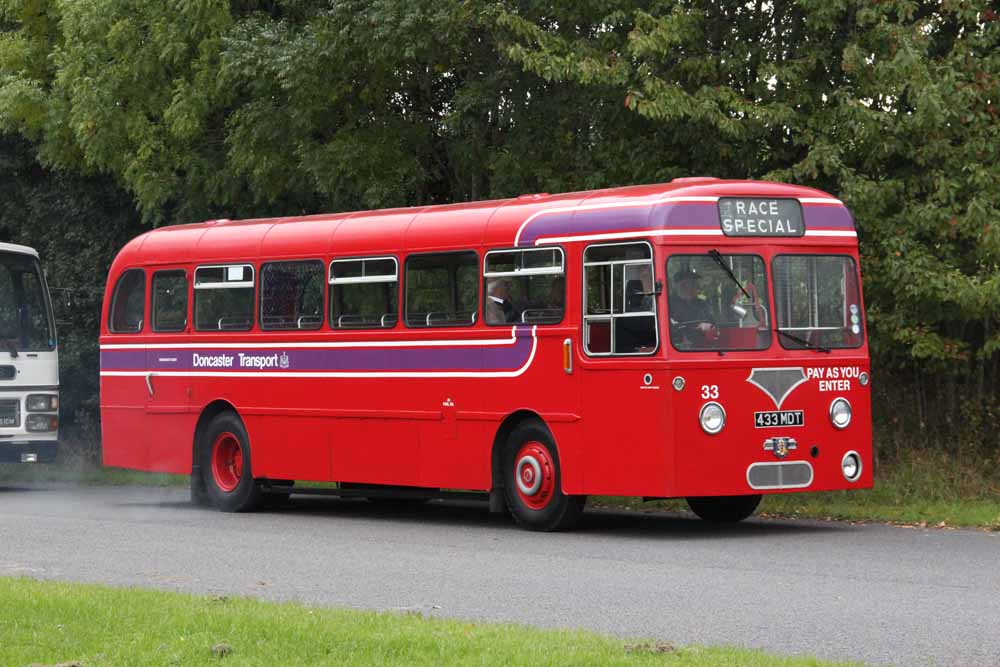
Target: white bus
column 29, row 360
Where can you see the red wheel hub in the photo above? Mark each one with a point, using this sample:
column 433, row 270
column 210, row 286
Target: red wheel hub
column 534, row 475
column 227, row 461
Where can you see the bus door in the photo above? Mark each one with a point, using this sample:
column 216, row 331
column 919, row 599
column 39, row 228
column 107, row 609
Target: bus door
column 624, row 386
column 167, row 395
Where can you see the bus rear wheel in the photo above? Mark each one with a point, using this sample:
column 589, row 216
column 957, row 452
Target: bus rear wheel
column 533, row 483
column 224, row 461
column 724, row 509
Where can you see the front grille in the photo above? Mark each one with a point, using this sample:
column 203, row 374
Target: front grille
column 784, row 475
column 10, row 413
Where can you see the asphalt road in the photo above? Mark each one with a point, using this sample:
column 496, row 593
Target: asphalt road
column 859, row 592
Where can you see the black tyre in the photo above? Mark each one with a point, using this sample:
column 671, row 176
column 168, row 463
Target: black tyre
column 199, row 494
column 724, row 509
column 225, row 462
column 533, row 481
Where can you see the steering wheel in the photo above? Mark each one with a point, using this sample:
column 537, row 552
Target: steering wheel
column 692, row 325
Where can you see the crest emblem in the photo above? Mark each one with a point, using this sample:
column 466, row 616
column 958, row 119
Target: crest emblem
column 777, row 383
column 283, row 361
column 780, row 446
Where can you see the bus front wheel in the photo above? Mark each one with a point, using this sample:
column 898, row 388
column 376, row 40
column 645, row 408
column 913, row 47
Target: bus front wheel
column 224, row 461
column 533, row 484
column 724, row 509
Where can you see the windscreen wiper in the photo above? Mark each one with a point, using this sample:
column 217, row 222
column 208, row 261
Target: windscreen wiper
column 804, row 342
column 717, row 256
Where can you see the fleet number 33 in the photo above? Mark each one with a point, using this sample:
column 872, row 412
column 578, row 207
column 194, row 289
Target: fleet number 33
column 709, row 391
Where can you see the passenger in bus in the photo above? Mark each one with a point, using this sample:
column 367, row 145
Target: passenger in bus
column 499, row 309
column 691, row 318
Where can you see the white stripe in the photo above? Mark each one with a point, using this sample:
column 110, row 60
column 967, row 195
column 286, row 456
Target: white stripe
column 630, row 235
column 465, row 342
column 340, row 374
column 821, row 200
column 677, row 232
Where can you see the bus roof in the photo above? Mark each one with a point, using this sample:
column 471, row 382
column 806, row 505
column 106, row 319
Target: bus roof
column 22, row 249
column 526, row 220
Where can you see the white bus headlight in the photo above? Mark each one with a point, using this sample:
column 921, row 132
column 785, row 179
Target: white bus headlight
column 840, row 413
column 850, row 465
column 712, row 418
column 42, row 403
column 36, row 423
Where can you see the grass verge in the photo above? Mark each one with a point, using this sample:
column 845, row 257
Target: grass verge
column 47, row 623
column 86, row 474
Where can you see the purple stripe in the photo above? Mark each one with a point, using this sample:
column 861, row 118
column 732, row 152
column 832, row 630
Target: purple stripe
column 670, row 215
column 123, row 360
column 828, row 217
column 585, row 222
column 460, row 358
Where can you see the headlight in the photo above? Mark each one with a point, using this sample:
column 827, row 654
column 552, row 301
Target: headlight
column 712, row 418
column 39, row 423
column 42, row 403
column 850, row 465
column 840, row 413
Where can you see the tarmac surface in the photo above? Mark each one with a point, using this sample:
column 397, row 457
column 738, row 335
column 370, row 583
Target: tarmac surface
column 872, row 593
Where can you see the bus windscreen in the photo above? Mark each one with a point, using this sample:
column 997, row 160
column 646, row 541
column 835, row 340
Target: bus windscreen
column 818, row 301
column 718, row 302
column 25, row 324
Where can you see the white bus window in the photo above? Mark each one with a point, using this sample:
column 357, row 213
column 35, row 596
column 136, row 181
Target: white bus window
column 129, row 302
column 170, row 301
column 364, row 293
column 442, row 289
column 291, row 295
column 619, row 300
column 223, row 297
column 524, row 286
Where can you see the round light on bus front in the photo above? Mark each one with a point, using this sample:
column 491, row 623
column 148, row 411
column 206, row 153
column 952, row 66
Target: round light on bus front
column 863, row 379
column 712, row 418
column 840, row 413
column 850, row 465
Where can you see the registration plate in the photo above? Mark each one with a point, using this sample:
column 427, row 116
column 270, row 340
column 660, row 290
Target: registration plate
column 9, row 413
column 778, row 418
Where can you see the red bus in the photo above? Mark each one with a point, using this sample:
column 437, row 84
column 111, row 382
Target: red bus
column 701, row 339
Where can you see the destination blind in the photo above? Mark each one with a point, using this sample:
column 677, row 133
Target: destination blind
column 746, row 216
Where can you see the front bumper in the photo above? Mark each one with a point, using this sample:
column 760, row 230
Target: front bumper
column 15, row 451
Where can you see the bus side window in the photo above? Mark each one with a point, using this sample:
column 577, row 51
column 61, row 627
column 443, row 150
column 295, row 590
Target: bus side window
column 170, row 301
column 223, row 297
column 291, row 295
column 129, row 302
column 442, row 289
column 524, row 286
column 619, row 299
column 364, row 293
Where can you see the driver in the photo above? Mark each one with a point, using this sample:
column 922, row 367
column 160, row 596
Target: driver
column 688, row 313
